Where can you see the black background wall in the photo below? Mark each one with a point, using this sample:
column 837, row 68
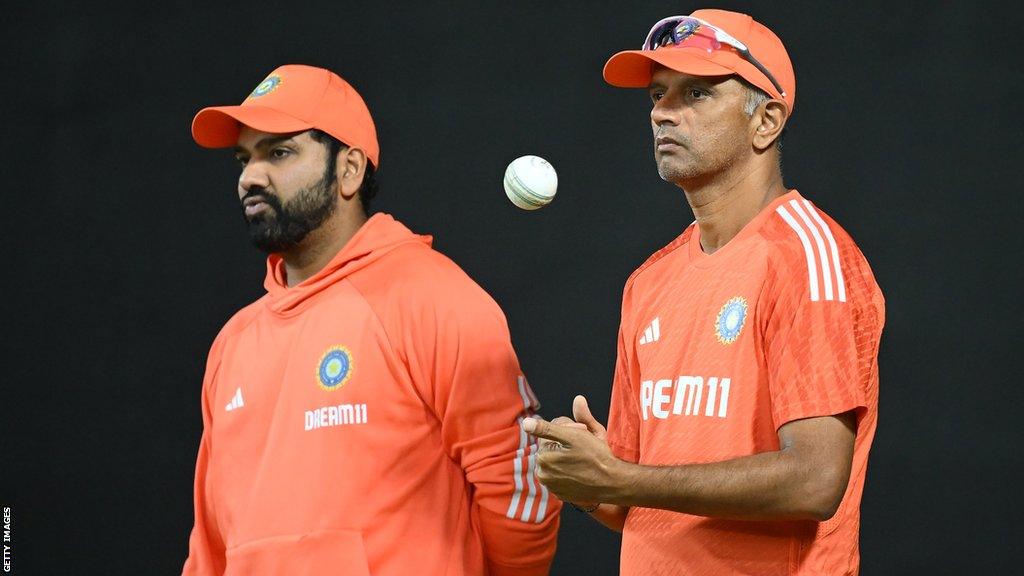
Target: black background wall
column 125, row 249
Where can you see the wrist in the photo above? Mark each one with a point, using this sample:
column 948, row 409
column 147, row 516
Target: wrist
column 620, row 483
column 587, row 508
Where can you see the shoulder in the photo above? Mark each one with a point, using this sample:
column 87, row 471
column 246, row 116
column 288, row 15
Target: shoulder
column 239, row 321
column 235, row 326
column 417, row 279
column 651, row 263
column 811, row 250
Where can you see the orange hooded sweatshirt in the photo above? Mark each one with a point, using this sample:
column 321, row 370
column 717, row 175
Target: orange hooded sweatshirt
column 366, row 421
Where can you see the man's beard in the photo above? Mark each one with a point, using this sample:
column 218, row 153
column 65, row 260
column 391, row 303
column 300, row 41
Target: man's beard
column 282, row 227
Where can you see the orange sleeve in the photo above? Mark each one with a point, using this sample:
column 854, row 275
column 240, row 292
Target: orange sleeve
column 205, row 546
column 465, row 366
column 817, row 350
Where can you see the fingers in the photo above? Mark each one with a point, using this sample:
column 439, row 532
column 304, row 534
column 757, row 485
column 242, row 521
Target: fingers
column 566, row 421
column 550, row 445
column 581, row 411
column 549, row 431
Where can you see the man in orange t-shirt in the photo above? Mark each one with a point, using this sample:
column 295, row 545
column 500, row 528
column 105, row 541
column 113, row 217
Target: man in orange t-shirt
column 363, row 416
column 746, row 388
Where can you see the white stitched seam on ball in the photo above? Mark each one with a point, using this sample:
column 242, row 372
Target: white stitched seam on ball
column 522, row 187
column 524, row 194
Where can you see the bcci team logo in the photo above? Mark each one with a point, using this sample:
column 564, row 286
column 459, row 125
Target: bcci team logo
column 730, row 320
column 335, row 368
column 266, row 87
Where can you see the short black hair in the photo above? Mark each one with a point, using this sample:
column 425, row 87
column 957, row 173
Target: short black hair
column 368, row 189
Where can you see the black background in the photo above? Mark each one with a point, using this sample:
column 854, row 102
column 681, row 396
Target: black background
column 126, row 248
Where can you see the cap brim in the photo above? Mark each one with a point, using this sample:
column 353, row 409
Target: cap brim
column 632, row 68
column 218, row 127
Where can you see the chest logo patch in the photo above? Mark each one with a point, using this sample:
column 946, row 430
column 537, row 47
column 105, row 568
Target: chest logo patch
column 335, row 368
column 730, row 320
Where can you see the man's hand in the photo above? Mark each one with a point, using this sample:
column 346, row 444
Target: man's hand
column 549, row 445
column 584, row 420
column 575, row 461
column 581, row 412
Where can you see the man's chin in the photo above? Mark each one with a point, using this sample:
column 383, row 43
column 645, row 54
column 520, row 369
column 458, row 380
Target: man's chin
column 265, row 238
column 271, row 239
column 269, row 246
column 673, row 172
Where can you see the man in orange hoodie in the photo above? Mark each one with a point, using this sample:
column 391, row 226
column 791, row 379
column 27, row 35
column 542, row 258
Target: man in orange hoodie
column 362, row 417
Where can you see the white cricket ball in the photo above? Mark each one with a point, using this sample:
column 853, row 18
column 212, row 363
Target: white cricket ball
column 530, row 182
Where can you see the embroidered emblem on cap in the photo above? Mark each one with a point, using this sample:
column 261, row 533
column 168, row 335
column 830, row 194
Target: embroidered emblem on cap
column 730, row 320
column 266, row 87
column 335, row 368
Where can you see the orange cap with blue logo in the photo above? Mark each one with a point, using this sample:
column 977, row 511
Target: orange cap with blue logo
column 294, row 98
column 709, row 43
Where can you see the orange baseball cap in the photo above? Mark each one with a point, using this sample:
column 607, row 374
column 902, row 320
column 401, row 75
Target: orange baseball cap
column 707, row 53
column 294, row 98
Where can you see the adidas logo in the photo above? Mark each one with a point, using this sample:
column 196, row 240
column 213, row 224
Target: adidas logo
column 652, row 333
column 236, row 401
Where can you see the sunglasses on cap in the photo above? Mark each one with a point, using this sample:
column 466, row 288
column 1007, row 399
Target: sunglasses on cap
column 676, row 30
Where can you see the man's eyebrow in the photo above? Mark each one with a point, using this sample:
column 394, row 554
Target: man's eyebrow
column 267, row 142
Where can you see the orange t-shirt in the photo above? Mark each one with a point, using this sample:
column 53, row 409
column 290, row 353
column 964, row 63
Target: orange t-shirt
column 367, row 421
column 716, row 352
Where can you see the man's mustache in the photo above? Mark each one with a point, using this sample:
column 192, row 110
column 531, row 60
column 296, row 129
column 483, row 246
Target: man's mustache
column 264, row 196
column 680, row 139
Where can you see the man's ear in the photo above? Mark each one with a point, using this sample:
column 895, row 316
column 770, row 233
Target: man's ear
column 769, row 120
column 351, row 168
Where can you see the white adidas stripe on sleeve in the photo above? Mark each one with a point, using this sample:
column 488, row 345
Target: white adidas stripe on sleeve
column 531, row 484
column 826, row 271
column 819, row 255
column 527, row 449
column 840, row 284
column 517, row 470
column 812, row 267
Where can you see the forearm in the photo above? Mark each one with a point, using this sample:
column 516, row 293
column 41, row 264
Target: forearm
column 767, row 486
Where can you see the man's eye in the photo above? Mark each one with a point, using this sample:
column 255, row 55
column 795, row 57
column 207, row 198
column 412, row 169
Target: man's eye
column 697, row 93
column 242, row 161
column 280, row 152
column 655, row 96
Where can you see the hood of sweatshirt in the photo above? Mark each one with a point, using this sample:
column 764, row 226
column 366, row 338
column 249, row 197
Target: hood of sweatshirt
column 375, row 238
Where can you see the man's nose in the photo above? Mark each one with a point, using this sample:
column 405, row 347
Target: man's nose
column 662, row 113
column 253, row 174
